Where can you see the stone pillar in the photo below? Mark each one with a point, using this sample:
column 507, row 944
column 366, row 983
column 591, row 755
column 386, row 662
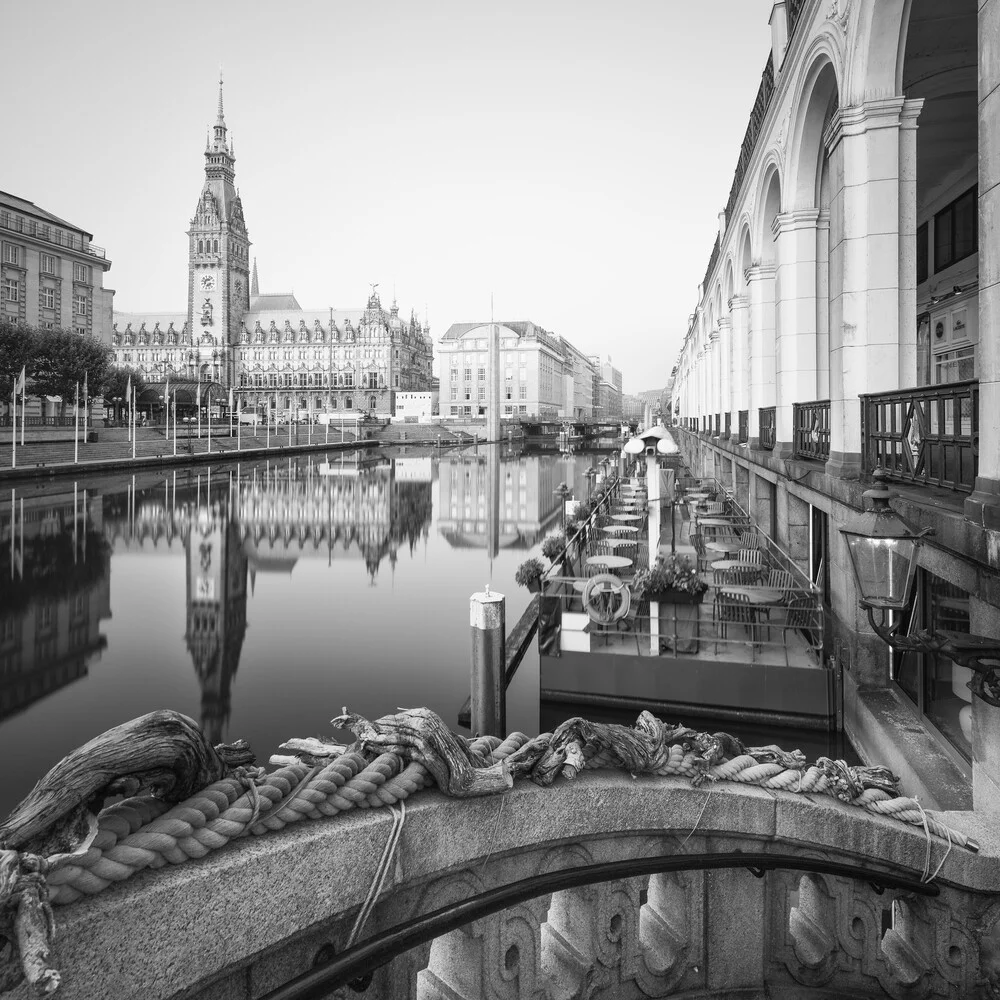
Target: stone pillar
column 983, row 506
column 823, row 306
column 795, row 321
column 865, row 263
column 908, row 242
column 715, row 373
column 726, row 373
column 761, row 284
column 739, row 306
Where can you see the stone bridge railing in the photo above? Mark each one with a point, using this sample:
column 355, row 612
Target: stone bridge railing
column 250, row 917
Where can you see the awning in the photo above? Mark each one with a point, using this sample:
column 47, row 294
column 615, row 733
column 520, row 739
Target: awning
column 185, row 392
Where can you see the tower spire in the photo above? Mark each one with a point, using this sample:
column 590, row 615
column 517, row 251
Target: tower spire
column 220, row 120
column 254, row 287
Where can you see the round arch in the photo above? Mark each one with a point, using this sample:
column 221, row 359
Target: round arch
column 818, row 93
column 876, row 71
column 768, row 208
column 729, row 281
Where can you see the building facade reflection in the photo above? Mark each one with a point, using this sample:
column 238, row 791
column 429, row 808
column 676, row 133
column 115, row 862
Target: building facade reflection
column 53, row 596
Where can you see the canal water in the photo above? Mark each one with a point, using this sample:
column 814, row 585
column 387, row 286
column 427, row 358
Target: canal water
column 262, row 598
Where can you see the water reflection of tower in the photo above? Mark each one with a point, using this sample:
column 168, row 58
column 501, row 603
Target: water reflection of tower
column 216, row 610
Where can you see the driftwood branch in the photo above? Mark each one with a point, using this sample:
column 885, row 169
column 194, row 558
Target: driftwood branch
column 163, row 752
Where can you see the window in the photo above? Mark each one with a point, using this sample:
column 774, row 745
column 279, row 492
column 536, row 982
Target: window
column 80, row 305
column 201, row 246
column 935, row 684
column 482, row 392
column 508, row 411
column 522, row 392
column 509, row 394
column 11, row 289
column 348, row 403
column 48, row 263
column 11, row 254
column 454, row 374
column 397, row 381
column 481, row 374
column 48, row 298
column 522, row 409
column 81, row 272
column 468, row 374
column 956, row 232
column 215, row 246
column 80, row 330
column 923, row 253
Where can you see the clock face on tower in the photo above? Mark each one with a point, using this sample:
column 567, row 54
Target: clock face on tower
column 208, row 282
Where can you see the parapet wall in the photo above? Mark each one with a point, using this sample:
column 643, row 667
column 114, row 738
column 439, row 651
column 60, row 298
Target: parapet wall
column 255, row 914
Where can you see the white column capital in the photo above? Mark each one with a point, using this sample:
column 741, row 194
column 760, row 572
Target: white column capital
column 863, row 118
column 788, row 222
column 758, row 272
column 725, row 323
column 739, row 301
column 912, row 107
column 713, row 336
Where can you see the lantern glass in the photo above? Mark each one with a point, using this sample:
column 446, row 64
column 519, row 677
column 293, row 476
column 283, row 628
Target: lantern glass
column 883, row 569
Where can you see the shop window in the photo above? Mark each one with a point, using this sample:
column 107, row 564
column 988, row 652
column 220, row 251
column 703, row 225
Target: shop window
column 923, row 254
column 935, row 684
column 956, row 230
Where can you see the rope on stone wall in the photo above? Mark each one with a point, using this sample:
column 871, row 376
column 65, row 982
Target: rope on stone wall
column 394, row 758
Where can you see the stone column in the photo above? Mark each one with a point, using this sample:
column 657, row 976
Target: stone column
column 739, row 306
column 983, row 506
column 908, row 242
column 795, row 321
column 761, row 284
column 726, row 373
column 715, row 369
column 823, row 306
column 865, row 268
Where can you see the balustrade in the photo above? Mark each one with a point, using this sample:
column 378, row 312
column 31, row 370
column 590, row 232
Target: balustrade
column 812, row 430
column 768, row 427
column 744, row 426
column 925, row 435
column 728, row 426
column 805, row 928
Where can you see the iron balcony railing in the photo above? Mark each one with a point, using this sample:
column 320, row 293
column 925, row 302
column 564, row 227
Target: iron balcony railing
column 744, row 426
column 768, row 427
column 728, row 426
column 926, row 435
column 716, row 425
column 47, row 234
column 812, row 429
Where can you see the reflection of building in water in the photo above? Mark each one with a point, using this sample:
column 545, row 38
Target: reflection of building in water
column 216, row 599
column 53, row 595
column 216, row 577
column 336, row 512
column 525, row 505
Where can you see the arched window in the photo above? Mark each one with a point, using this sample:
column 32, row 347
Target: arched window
column 215, row 246
column 201, row 246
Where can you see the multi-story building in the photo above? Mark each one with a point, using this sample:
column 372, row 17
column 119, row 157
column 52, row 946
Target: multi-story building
column 51, row 274
column 532, row 362
column 848, row 318
column 275, row 355
column 609, row 390
column 542, row 374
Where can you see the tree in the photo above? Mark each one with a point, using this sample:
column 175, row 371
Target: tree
column 62, row 361
column 18, row 346
column 116, row 384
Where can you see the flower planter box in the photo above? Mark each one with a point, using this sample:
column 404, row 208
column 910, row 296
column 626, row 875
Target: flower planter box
column 535, row 586
column 675, row 597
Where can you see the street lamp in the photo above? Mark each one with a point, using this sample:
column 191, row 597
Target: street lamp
column 117, row 400
column 884, row 549
column 562, row 491
column 591, row 475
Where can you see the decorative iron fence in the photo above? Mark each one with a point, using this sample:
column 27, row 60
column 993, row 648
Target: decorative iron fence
column 926, row 435
column 744, row 426
column 36, row 421
column 768, row 426
column 812, row 429
column 728, row 426
column 716, row 425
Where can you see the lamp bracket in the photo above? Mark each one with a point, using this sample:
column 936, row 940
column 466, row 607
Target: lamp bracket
column 980, row 654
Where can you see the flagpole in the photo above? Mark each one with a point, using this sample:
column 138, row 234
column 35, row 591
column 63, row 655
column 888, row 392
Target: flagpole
column 238, row 433
column 13, row 439
column 86, row 403
column 267, row 421
column 210, row 423
column 132, row 421
column 76, row 425
column 175, row 421
column 198, row 401
column 24, row 404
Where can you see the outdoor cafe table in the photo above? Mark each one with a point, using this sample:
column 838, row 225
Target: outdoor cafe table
column 616, row 543
column 758, row 596
column 611, row 562
column 733, row 545
column 738, row 564
column 714, row 521
column 625, row 517
column 619, row 529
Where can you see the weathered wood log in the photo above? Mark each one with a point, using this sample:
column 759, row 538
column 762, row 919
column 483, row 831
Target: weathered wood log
column 163, row 752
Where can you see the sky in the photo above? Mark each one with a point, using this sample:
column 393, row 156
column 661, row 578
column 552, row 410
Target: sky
column 567, row 160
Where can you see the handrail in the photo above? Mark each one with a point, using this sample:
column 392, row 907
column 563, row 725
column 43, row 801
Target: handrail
column 811, row 429
column 359, row 962
column 767, row 428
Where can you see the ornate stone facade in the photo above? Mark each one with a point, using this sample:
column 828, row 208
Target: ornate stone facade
column 279, row 358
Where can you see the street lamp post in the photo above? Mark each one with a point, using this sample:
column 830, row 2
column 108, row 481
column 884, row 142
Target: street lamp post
column 562, row 491
column 884, row 550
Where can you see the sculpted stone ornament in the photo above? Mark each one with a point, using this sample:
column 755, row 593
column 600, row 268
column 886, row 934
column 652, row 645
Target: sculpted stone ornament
column 206, row 313
column 840, row 12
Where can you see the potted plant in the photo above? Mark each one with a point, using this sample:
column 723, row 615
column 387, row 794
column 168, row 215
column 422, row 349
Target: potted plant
column 670, row 580
column 553, row 546
column 529, row 574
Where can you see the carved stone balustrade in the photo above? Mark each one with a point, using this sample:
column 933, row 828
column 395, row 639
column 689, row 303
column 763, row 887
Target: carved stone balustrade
column 253, row 916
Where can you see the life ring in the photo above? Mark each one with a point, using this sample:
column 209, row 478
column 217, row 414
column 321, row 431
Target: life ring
column 601, row 599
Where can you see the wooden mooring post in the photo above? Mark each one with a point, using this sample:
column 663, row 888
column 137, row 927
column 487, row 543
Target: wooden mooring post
column 487, row 618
